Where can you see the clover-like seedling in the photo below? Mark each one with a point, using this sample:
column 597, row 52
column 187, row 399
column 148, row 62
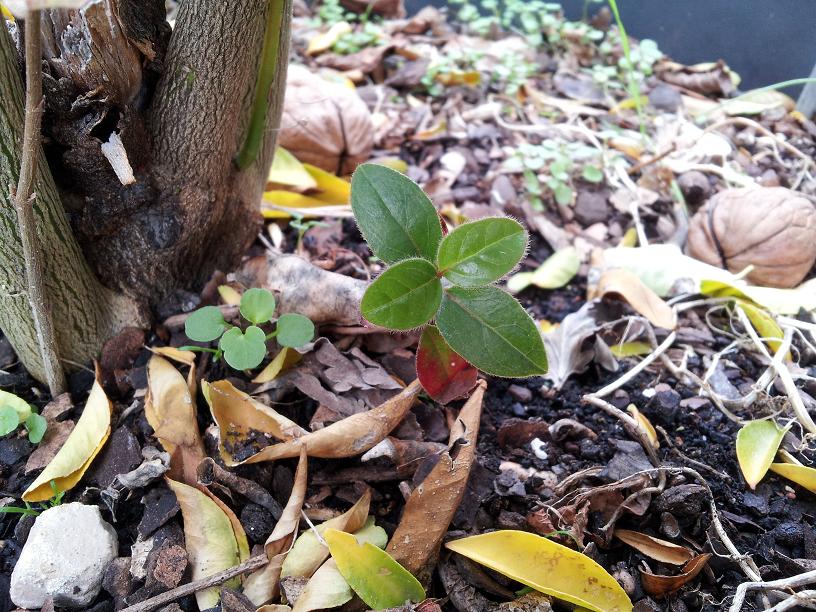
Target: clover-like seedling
column 15, row 411
column 244, row 349
column 445, row 279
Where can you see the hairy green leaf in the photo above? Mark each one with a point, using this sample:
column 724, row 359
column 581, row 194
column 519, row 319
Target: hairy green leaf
column 244, row 351
column 35, row 425
column 476, row 254
column 257, row 305
column 9, row 420
column 492, row 331
column 405, row 296
column 374, row 575
column 294, row 330
column 205, row 324
column 395, row 216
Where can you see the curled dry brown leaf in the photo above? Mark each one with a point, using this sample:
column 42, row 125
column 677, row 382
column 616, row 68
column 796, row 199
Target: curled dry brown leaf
column 351, row 436
column 770, row 228
column 431, row 506
column 655, row 548
column 171, row 412
column 622, row 283
column 659, row 586
column 262, row 586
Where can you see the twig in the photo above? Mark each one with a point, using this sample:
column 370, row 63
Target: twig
column 251, row 564
column 617, row 384
column 782, row 583
column 797, row 600
column 23, row 203
column 209, row 471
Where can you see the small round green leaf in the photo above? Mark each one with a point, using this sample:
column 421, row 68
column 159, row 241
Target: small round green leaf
column 9, row 420
column 294, row 330
column 244, row 351
column 405, row 296
column 257, row 305
column 205, row 324
column 492, row 331
column 478, row 253
column 35, row 425
column 593, row 174
column 394, row 215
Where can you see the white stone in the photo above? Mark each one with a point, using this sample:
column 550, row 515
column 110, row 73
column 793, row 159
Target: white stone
column 64, row 558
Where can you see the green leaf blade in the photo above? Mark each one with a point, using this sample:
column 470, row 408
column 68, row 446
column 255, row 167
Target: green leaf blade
column 394, row 215
column 478, row 253
column 405, row 296
column 35, row 425
column 9, row 420
column 244, row 351
column 490, row 329
column 372, row 573
column 205, row 324
column 257, row 305
column 757, row 443
column 294, row 330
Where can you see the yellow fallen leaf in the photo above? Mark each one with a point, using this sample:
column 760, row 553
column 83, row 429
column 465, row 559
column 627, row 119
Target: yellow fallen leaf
column 326, row 589
column 764, row 324
column 208, row 537
column 6, row 13
column 556, row 271
column 262, row 586
column 185, row 357
column 644, row 424
column 395, row 163
column 627, row 285
column 757, row 443
column 309, row 552
column 279, row 204
column 546, row 566
column 348, row 437
column 779, row 301
column 287, row 170
column 171, row 412
column 374, row 575
column 655, row 548
column 83, row 444
column 631, row 349
column 326, row 40
column 459, row 77
column 286, row 358
column 229, row 295
column 331, row 189
column 237, row 415
column 802, row 475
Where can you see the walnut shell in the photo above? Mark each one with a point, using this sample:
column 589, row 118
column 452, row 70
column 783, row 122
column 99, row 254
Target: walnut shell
column 325, row 124
column 771, row 228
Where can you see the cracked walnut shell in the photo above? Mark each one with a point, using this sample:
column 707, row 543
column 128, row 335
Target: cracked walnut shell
column 771, row 228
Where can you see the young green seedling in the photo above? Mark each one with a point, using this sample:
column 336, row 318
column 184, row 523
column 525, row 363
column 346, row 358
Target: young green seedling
column 15, row 411
column 244, row 349
column 445, row 279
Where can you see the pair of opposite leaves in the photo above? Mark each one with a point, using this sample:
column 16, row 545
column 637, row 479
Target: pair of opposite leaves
column 448, row 278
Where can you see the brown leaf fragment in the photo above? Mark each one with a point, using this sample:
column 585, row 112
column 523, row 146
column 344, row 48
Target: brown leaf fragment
column 433, row 503
column 659, row 586
column 655, row 548
column 262, row 586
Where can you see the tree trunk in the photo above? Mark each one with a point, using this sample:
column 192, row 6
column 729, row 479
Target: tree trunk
column 176, row 116
column 85, row 312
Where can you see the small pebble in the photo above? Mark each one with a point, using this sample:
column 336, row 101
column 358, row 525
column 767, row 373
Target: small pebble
column 520, row 394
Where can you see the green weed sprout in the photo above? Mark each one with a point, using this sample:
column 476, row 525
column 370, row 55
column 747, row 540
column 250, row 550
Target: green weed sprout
column 449, row 280
column 15, row 411
column 244, row 349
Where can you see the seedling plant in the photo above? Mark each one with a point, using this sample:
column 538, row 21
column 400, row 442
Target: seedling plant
column 36, row 510
column 15, row 411
column 445, row 284
column 244, row 349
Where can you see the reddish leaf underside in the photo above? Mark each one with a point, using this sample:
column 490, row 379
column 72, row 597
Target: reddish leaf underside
column 443, row 374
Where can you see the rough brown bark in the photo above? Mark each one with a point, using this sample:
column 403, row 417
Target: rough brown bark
column 191, row 210
column 181, row 111
column 85, row 313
